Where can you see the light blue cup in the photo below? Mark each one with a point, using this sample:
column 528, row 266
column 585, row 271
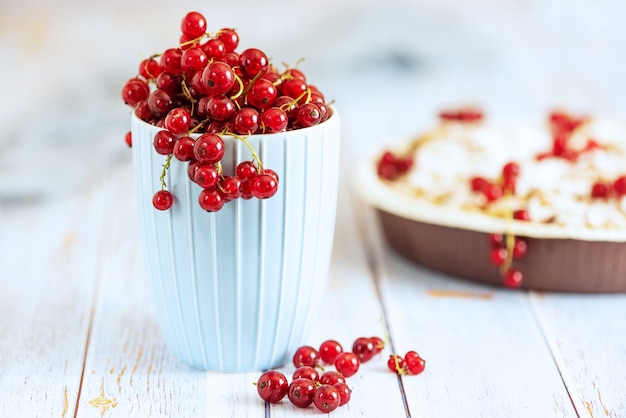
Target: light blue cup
column 236, row 290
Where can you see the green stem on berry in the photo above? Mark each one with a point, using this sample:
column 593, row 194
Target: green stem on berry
column 193, row 41
column 252, row 81
column 240, row 91
column 255, row 157
column 188, row 95
column 166, row 165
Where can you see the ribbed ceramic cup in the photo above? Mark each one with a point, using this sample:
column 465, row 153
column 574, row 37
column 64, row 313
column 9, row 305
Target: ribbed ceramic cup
column 236, row 290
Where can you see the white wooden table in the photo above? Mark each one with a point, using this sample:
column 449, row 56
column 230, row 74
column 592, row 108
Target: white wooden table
column 78, row 332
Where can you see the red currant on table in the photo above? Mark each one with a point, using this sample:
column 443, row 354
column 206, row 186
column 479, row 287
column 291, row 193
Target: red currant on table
column 326, row 398
column 306, row 372
column 347, row 363
column 272, row 386
column 345, row 393
column 379, row 344
column 396, row 364
column 306, row 356
column 301, row 392
column 364, row 349
column 329, row 350
column 162, row 200
column 414, row 363
column 331, row 377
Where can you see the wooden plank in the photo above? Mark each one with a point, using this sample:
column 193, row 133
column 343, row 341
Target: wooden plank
column 47, row 278
column 586, row 335
column 484, row 350
column 129, row 371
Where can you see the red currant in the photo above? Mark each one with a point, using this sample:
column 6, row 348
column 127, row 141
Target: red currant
column 497, row 256
column 496, row 240
column 306, row 372
column 246, row 170
column 332, row 377
column 347, row 363
column 306, row 356
column 221, row 108
column 162, row 200
column 193, row 59
column 619, row 185
column 178, row 120
column 253, row 61
column 170, row 60
column 246, row 121
column 261, row 94
column 211, row 200
column 510, row 170
column 231, row 188
column 301, row 392
column 478, row 183
column 183, row 148
column 521, row 215
column 160, row 102
column 492, row 192
column 308, row 115
column 364, row 349
column 128, row 138
column 512, row 278
column 149, row 69
column 326, row 398
column 344, row 393
column 293, row 88
column 379, row 344
column 218, row 77
column 263, row 186
column 214, row 49
column 134, row 91
column 206, row 176
column 193, row 25
column 274, row 119
column 600, row 190
column 396, row 364
column 170, row 83
column 272, row 386
column 229, row 38
column 329, row 350
column 520, row 248
column 414, row 363
column 209, row 148
column 164, row 142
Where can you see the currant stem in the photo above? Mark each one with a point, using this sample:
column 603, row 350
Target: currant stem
column 166, row 165
column 255, row 157
column 240, row 91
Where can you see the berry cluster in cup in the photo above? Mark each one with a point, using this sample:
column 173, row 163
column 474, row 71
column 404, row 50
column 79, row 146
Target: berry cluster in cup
column 204, row 89
column 312, row 384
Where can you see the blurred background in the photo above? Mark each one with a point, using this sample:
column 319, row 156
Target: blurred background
column 389, row 65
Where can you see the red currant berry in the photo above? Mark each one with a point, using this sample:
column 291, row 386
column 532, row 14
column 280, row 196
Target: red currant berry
column 246, row 194
column 193, row 59
column 134, row 91
column 289, row 105
column 363, row 348
column 178, row 120
column 308, row 115
column 274, row 119
column 231, row 188
column 128, row 138
column 142, row 110
column 149, row 69
column 261, row 94
column 246, row 170
column 231, row 58
column 347, row 363
column 306, row 356
column 193, row 25
column 191, row 169
column 253, row 61
column 497, row 256
column 170, row 83
column 306, row 372
column 600, row 190
column 246, row 121
column 396, row 364
column 272, row 386
column 162, row 200
column 214, row 49
column 171, row 60
column 263, row 186
column 619, row 185
column 271, row 172
column 510, row 170
column 206, row 176
column 211, row 200
column 218, row 77
column 496, row 240
column 344, row 393
column 221, row 108
column 326, row 398
column 414, row 363
column 521, row 215
column 294, row 88
column 512, row 278
column 209, row 148
column 492, row 192
column 379, row 344
column 520, row 248
column 332, row 377
column 329, row 350
column 164, row 142
column 160, row 102
column 478, row 183
column 301, row 392
column 229, row 38
column 183, row 148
